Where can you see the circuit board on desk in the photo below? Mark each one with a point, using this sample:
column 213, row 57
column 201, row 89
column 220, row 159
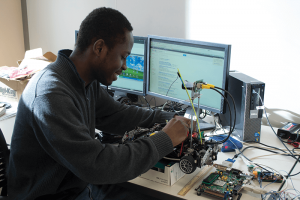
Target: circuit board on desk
column 224, row 183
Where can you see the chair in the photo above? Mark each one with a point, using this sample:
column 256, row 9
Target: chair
column 4, row 158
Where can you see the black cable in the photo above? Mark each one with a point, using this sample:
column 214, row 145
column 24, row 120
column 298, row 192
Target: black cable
column 234, row 106
column 273, row 129
column 294, row 174
column 239, row 196
column 277, row 135
column 171, row 86
column 241, row 152
column 291, row 154
column 147, row 102
column 264, row 150
column 154, row 101
column 265, row 145
column 289, row 173
column 231, row 128
column 293, row 150
column 171, row 106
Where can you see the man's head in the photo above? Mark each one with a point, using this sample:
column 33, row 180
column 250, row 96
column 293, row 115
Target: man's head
column 104, row 42
column 102, row 23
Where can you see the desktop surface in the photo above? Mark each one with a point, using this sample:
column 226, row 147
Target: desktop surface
column 277, row 162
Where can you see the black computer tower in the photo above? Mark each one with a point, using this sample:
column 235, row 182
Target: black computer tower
column 248, row 94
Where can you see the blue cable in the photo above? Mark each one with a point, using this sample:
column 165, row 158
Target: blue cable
column 269, row 193
column 294, row 186
column 226, row 195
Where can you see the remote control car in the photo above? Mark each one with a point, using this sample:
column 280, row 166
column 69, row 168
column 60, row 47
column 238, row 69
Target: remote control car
column 192, row 153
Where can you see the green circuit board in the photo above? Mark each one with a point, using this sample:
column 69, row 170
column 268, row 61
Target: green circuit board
column 223, row 183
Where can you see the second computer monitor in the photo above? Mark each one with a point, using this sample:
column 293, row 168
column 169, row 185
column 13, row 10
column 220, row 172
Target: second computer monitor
column 196, row 61
column 132, row 80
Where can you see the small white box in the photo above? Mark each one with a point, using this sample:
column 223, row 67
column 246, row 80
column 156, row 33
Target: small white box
column 167, row 175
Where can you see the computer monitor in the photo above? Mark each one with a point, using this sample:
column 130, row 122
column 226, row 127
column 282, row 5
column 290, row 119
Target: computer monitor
column 132, row 80
column 195, row 60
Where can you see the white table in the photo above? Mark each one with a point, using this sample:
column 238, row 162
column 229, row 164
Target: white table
column 277, row 162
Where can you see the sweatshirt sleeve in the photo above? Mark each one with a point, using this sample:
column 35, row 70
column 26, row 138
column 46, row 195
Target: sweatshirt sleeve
column 62, row 133
column 125, row 117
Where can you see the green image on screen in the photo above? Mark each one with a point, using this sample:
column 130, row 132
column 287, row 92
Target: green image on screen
column 135, row 68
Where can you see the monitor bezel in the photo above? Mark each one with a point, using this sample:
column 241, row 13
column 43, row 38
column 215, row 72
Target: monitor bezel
column 136, row 92
column 227, row 49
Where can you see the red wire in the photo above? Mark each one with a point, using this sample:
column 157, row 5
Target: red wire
column 181, row 149
column 182, row 145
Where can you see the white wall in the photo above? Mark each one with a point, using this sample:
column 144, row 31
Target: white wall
column 11, row 33
column 52, row 24
column 263, row 34
column 155, row 17
column 265, row 45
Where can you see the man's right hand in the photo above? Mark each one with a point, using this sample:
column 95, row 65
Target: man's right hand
column 177, row 130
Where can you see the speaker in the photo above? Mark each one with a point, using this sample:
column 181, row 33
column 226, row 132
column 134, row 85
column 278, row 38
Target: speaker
column 248, row 94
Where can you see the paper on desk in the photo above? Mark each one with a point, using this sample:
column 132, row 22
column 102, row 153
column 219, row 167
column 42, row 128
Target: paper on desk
column 11, row 112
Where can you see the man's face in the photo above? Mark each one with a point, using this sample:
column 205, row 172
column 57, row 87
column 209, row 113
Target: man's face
column 114, row 61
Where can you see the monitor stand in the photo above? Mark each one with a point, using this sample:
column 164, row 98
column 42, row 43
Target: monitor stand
column 203, row 125
column 125, row 98
column 118, row 95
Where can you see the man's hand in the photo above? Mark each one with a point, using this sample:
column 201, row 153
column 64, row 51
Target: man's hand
column 177, row 130
column 187, row 121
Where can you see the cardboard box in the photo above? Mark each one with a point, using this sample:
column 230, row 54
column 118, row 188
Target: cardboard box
column 11, row 89
column 164, row 172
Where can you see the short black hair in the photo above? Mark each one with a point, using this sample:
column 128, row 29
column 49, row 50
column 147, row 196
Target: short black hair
column 102, row 23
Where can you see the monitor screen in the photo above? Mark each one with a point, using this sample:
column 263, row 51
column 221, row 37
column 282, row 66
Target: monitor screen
column 196, row 61
column 132, row 79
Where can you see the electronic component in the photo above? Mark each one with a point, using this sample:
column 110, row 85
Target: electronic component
column 274, row 196
column 235, row 171
column 237, row 189
column 247, row 93
column 289, row 131
column 211, row 178
column 139, row 132
column 223, row 183
column 250, row 168
column 219, row 183
column 220, row 167
column 268, row 176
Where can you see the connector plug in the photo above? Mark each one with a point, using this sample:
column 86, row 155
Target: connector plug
column 228, row 163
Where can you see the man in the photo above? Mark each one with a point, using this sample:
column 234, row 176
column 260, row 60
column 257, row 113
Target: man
column 54, row 153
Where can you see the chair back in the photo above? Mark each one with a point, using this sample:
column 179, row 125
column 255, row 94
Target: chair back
column 4, row 158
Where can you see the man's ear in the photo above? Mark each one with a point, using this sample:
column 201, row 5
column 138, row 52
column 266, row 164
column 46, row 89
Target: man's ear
column 98, row 47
